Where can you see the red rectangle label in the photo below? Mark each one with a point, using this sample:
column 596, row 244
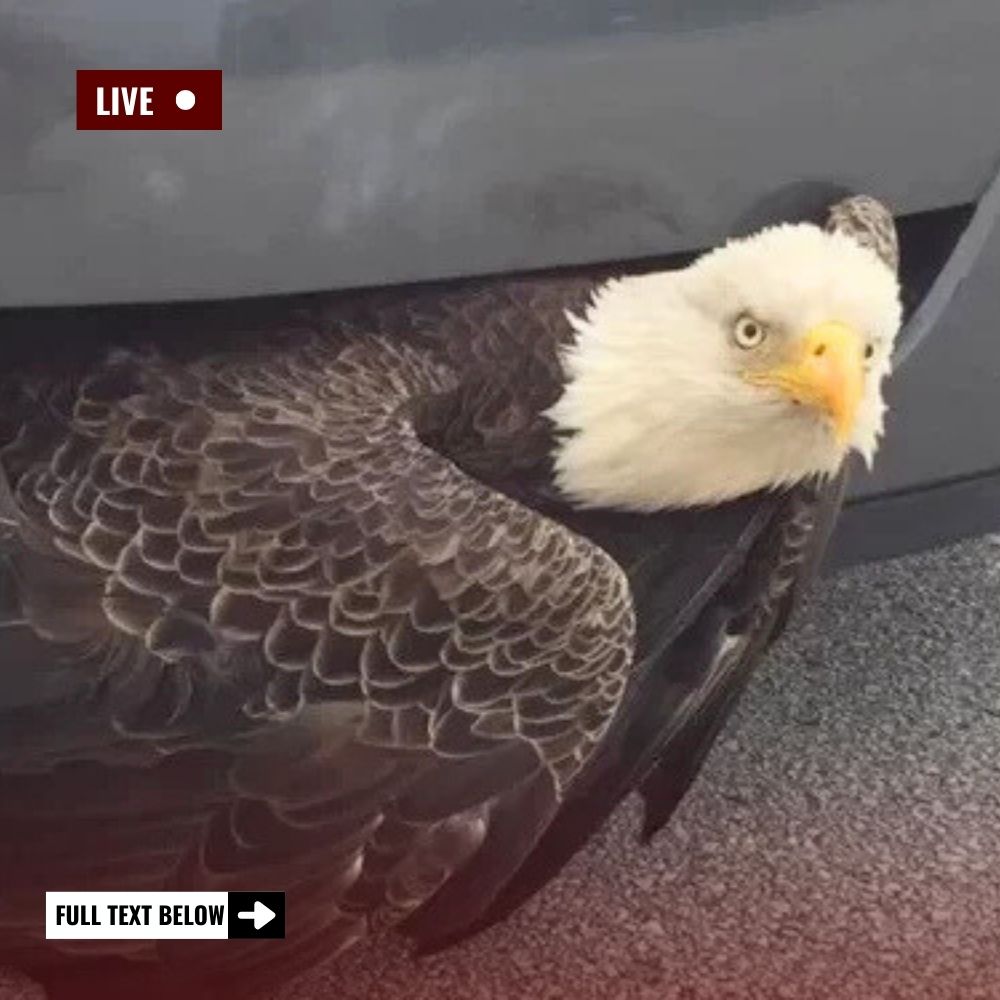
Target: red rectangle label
column 149, row 99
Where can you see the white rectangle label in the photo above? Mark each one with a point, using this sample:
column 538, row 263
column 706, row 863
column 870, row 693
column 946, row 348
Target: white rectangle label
column 136, row 915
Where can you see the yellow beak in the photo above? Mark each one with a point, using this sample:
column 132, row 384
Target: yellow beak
column 827, row 372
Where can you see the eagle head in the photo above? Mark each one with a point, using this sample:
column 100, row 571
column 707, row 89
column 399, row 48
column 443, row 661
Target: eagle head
column 759, row 365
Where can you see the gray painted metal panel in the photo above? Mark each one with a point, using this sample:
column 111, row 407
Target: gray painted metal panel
column 377, row 141
column 944, row 398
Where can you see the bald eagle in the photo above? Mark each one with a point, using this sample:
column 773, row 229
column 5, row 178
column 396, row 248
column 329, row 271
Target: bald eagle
column 390, row 610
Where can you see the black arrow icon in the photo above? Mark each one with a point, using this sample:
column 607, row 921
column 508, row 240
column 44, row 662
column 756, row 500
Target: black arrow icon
column 256, row 914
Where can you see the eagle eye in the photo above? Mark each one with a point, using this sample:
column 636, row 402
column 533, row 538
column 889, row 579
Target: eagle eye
column 749, row 332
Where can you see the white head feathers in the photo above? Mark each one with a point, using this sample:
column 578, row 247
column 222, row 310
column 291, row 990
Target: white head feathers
column 658, row 396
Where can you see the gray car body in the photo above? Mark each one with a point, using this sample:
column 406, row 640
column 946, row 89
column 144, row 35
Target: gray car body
column 370, row 142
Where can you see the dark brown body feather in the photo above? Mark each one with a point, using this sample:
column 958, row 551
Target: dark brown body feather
column 306, row 614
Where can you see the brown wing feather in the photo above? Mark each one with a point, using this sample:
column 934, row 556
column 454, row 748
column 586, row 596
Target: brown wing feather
column 339, row 651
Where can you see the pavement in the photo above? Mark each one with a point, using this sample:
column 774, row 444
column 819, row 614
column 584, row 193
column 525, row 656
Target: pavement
column 843, row 840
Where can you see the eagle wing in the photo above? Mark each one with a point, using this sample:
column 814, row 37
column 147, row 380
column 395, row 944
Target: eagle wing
column 258, row 633
column 712, row 589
